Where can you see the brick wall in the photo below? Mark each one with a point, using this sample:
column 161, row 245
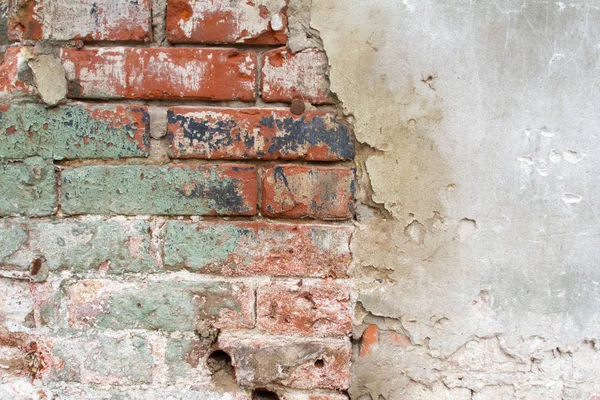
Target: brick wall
column 177, row 224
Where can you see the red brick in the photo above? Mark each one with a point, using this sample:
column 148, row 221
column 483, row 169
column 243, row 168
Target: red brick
column 258, row 248
column 25, row 22
column 264, row 361
column 10, row 82
column 266, row 134
column 294, row 191
column 308, row 309
column 227, row 21
column 155, row 73
column 286, row 76
column 88, row 20
column 369, row 338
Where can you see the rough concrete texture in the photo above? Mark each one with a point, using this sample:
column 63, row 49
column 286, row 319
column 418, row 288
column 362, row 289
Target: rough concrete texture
column 476, row 242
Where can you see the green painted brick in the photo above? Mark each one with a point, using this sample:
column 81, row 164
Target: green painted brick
column 125, row 359
column 12, row 238
column 114, row 245
column 27, row 188
column 74, row 131
column 166, row 190
column 185, row 357
column 164, row 305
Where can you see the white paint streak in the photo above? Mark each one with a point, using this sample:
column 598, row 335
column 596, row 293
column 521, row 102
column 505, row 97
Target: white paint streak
column 99, row 19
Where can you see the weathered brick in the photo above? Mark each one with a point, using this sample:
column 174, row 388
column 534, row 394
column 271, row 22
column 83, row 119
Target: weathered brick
column 162, row 305
column 4, row 6
column 47, row 297
column 88, row 20
column 257, row 134
column 113, row 245
column 161, row 73
column 74, row 131
column 185, row 359
column 308, row 309
column 14, row 347
column 27, row 188
column 227, row 21
column 320, row 395
column 73, row 391
column 174, row 189
column 13, row 73
column 258, row 248
column 286, row 76
column 124, row 359
column 16, row 304
column 308, row 192
column 24, row 20
column 263, row 361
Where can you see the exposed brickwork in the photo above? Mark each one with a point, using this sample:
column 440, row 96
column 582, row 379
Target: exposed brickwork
column 75, row 131
column 150, row 246
column 286, row 76
column 88, row 20
column 292, row 362
column 308, row 192
column 27, row 188
column 226, row 21
column 258, row 134
column 258, row 248
column 174, row 189
column 111, row 245
column 303, row 308
column 143, row 73
column 163, row 305
column 12, row 73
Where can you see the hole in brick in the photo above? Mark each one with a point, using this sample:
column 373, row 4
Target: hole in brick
column 36, row 266
column 138, row 304
column 261, row 394
column 220, row 365
column 319, row 363
column 218, row 360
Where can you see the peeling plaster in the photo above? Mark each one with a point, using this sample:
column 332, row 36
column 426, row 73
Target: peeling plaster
column 477, row 229
column 50, row 78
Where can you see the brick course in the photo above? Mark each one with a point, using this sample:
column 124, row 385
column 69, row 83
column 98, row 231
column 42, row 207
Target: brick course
column 150, row 246
column 88, row 20
column 305, row 309
column 255, row 133
column 286, row 76
column 174, row 189
column 258, row 248
column 227, row 21
column 76, row 131
column 162, row 305
column 308, row 192
column 28, row 188
column 171, row 73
